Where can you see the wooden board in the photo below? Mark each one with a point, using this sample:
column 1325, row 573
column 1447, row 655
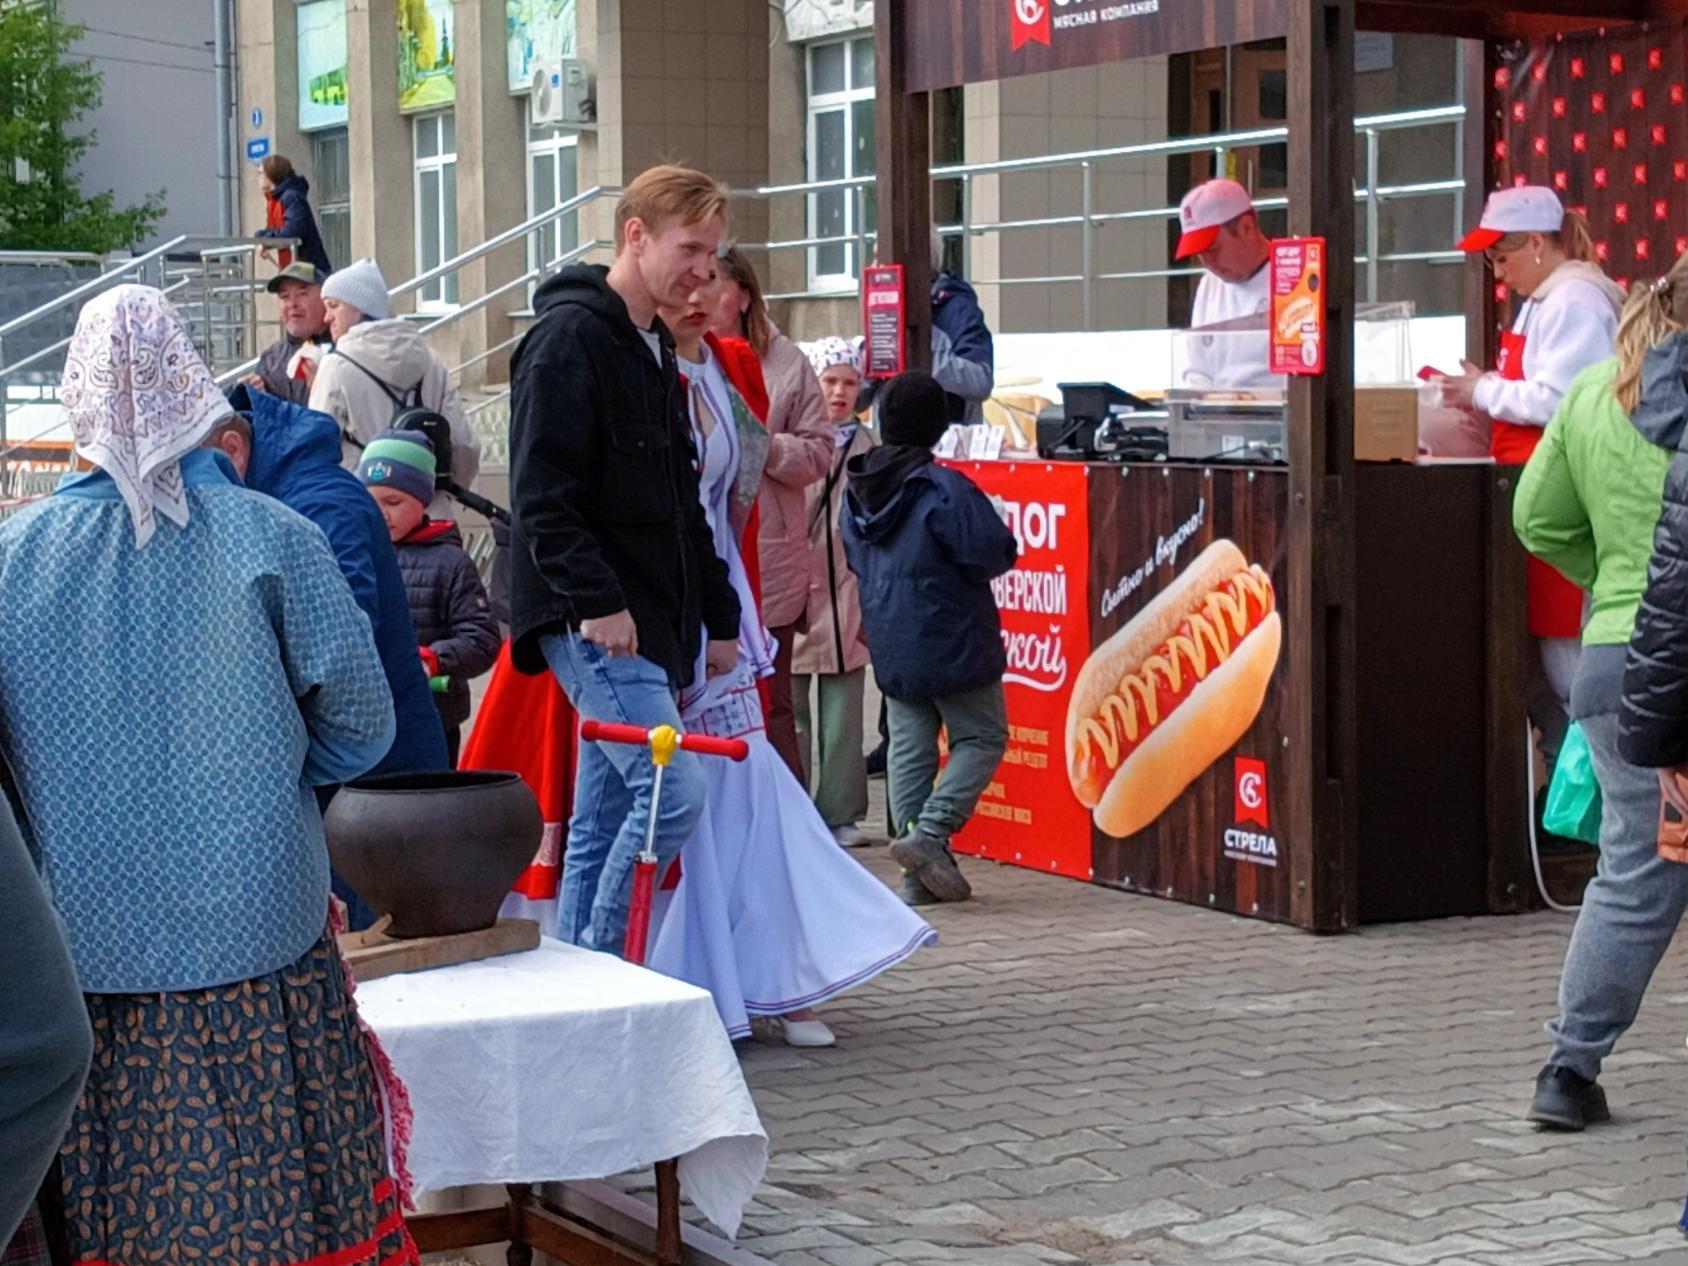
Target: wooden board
column 373, row 954
column 972, row 41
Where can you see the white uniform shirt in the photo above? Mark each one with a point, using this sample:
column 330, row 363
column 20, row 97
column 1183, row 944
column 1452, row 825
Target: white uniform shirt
column 1572, row 327
column 1230, row 360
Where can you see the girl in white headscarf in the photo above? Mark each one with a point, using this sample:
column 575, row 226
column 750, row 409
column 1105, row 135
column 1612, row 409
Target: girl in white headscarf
column 181, row 660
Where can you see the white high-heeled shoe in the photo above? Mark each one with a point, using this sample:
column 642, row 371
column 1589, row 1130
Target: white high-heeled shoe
column 806, row 1033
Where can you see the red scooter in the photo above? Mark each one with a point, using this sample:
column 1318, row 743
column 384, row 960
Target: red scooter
column 663, row 742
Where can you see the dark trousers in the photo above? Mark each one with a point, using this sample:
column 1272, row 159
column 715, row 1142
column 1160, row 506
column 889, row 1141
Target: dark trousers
column 782, row 718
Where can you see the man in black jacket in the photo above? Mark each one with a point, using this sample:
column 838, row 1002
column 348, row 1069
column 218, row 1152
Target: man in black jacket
column 614, row 576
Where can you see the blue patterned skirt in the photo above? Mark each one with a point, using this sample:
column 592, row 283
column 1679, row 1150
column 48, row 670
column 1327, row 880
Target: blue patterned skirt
column 239, row 1125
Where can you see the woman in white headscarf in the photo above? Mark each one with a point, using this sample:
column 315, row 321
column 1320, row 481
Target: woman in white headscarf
column 180, row 661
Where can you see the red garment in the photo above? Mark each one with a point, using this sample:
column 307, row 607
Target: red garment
column 527, row 725
column 1555, row 604
column 275, row 217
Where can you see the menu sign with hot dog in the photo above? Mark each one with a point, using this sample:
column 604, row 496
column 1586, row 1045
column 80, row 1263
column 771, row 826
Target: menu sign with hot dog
column 1298, row 305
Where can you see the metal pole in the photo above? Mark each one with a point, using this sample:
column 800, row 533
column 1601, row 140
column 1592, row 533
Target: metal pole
column 967, row 226
column 5, row 399
column 1088, row 245
column 223, row 63
column 1459, row 138
column 859, row 194
column 1372, row 244
column 205, row 305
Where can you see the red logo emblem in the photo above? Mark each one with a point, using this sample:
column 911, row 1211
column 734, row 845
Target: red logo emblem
column 1031, row 22
column 1251, row 792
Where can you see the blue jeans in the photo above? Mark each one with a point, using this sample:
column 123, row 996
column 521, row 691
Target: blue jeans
column 612, row 788
column 1629, row 912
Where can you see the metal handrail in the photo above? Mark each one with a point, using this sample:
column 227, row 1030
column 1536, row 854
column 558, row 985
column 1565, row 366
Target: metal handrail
column 114, row 276
column 499, row 240
column 529, row 225
column 51, row 257
column 90, row 287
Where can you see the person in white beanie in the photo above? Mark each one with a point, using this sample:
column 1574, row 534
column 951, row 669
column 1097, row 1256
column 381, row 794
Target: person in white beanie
column 358, row 291
column 375, row 365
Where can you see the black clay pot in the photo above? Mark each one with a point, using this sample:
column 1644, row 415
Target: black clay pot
column 438, row 852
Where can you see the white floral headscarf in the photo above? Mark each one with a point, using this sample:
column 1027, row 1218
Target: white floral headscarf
column 138, row 396
column 824, row 353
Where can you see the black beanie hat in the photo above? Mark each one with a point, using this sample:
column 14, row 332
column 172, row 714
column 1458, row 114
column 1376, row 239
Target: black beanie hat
column 913, row 410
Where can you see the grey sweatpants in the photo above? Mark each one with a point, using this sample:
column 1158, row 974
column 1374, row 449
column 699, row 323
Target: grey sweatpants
column 977, row 723
column 1629, row 912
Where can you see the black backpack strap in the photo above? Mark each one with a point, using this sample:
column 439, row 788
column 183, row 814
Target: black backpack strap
column 392, row 392
column 411, row 399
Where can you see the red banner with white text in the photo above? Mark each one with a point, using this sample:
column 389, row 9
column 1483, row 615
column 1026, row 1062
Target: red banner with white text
column 1028, row 815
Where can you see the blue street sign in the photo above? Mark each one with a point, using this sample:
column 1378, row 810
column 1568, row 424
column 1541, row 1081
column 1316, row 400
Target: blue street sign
column 257, row 117
column 257, row 148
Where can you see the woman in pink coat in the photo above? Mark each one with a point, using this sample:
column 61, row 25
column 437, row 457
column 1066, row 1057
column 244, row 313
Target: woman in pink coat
column 799, row 452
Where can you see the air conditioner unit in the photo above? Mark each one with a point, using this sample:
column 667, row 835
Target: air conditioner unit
column 561, row 94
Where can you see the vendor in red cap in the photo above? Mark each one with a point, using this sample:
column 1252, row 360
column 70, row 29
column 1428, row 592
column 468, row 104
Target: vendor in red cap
column 1568, row 320
column 1222, row 232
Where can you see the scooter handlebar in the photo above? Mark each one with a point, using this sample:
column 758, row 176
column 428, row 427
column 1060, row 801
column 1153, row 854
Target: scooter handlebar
column 702, row 744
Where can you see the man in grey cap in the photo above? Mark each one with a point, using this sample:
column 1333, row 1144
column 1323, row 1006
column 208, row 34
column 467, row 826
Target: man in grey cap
column 304, row 322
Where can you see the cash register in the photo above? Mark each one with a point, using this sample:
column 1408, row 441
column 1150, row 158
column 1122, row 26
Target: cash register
column 1097, row 421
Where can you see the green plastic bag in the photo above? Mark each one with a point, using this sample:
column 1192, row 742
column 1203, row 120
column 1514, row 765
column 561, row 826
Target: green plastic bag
column 1573, row 797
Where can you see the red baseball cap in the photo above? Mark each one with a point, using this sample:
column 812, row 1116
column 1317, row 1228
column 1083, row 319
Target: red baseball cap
column 1524, row 209
column 1205, row 210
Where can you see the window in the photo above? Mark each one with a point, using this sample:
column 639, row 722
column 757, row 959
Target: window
column 553, row 178
column 436, row 203
column 331, row 183
column 840, row 142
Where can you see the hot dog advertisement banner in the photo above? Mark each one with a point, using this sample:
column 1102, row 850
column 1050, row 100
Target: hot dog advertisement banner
column 1145, row 751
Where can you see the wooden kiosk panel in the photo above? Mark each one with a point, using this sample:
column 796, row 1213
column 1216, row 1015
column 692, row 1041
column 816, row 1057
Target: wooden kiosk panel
column 970, row 41
column 1221, row 841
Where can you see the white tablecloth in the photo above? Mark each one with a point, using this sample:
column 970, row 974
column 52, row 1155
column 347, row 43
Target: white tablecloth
column 562, row 1064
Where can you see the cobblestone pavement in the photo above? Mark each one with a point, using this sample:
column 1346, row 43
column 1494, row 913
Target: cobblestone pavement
column 1078, row 1075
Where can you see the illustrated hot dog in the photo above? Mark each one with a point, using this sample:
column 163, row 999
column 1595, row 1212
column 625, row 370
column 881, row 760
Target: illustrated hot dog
column 1301, row 309
column 1172, row 691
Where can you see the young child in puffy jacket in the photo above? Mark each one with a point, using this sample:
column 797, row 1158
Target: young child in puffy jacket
column 456, row 632
column 925, row 544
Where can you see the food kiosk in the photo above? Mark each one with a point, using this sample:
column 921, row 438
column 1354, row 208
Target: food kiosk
column 1353, row 746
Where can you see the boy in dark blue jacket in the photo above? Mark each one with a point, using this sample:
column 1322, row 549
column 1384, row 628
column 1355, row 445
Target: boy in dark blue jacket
column 925, row 544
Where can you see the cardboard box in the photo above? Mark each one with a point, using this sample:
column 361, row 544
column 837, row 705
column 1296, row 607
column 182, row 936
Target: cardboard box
column 1385, row 424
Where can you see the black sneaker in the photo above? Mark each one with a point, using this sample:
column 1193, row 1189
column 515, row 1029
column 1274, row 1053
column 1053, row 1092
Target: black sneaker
column 927, row 858
column 1566, row 1100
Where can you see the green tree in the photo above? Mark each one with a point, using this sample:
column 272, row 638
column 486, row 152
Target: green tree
column 42, row 95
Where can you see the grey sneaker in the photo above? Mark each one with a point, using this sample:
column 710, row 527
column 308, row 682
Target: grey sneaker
column 915, row 893
column 927, row 859
column 850, row 836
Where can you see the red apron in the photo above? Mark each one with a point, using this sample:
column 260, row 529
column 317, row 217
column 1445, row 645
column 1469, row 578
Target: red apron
column 1555, row 604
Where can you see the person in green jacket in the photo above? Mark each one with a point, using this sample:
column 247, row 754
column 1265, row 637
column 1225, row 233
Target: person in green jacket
column 1587, row 503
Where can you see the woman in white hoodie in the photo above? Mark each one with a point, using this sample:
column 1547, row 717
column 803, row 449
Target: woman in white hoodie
column 375, row 365
column 1568, row 320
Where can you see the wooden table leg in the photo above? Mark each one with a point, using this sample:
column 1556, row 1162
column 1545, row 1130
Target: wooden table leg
column 668, row 1213
column 520, row 1252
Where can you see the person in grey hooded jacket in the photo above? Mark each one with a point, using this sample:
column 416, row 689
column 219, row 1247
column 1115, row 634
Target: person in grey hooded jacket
column 45, row 1041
